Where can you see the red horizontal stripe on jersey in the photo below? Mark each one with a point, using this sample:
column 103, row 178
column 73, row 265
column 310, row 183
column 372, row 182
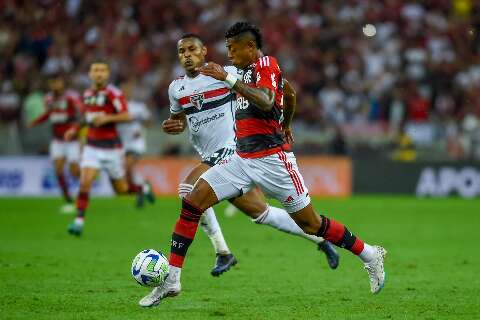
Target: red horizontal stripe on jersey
column 102, row 133
column 60, row 129
column 253, row 126
column 206, row 95
column 107, row 109
column 264, row 153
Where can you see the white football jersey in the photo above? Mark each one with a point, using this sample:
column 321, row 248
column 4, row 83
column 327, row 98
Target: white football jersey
column 209, row 106
column 133, row 130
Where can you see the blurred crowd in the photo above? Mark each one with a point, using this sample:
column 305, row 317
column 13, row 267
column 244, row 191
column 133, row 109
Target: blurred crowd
column 415, row 71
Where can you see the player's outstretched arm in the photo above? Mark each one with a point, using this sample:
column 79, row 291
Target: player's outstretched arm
column 44, row 117
column 290, row 105
column 264, row 98
column 176, row 124
column 112, row 118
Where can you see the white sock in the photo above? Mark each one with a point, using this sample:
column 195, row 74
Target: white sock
column 368, row 253
column 137, row 179
column 174, row 274
column 281, row 220
column 209, row 224
column 79, row 221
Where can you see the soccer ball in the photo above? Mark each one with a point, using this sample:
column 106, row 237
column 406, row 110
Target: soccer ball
column 150, row 268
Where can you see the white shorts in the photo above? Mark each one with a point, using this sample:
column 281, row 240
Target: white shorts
column 136, row 146
column 69, row 150
column 277, row 176
column 109, row 159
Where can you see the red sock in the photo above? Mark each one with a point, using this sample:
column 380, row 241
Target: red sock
column 339, row 235
column 63, row 185
column 82, row 203
column 184, row 233
column 134, row 188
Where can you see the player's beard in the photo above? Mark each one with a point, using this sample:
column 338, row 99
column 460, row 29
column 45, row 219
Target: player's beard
column 100, row 84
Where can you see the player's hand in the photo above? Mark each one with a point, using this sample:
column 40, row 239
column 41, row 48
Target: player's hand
column 70, row 134
column 172, row 126
column 100, row 121
column 289, row 135
column 213, row 70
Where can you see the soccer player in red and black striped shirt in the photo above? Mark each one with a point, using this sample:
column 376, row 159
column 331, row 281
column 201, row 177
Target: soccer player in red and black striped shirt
column 104, row 106
column 263, row 158
column 62, row 109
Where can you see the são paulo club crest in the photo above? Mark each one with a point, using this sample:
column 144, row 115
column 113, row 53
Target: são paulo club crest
column 197, row 100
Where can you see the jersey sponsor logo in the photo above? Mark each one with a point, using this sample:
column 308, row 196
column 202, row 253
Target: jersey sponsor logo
column 197, row 100
column 61, row 104
column 90, row 116
column 196, row 124
column 98, row 100
column 58, row 117
column 242, row 103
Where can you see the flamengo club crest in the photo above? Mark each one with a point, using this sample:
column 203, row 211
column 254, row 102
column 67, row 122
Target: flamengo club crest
column 197, row 100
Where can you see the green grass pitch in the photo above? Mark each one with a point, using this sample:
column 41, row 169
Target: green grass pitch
column 433, row 264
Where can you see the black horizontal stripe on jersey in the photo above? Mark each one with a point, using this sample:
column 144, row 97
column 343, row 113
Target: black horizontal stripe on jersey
column 259, row 142
column 210, row 105
column 105, row 143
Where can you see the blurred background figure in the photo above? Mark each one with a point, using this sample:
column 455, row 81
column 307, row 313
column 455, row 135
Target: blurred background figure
column 132, row 134
column 62, row 108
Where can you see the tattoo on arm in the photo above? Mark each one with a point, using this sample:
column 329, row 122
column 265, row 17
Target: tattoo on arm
column 262, row 97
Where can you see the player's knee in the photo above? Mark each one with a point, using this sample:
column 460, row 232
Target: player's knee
column 194, row 198
column 84, row 187
column 184, row 189
column 74, row 170
column 202, row 196
column 59, row 172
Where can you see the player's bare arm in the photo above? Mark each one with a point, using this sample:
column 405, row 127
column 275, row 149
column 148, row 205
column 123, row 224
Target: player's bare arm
column 112, row 118
column 176, row 124
column 71, row 133
column 290, row 104
column 264, row 98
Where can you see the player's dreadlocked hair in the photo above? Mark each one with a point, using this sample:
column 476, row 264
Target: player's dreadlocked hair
column 192, row 35
column 243, row 27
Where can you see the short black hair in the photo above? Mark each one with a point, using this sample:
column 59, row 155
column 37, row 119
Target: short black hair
column 191, row 35
column 240, row 28
column 100, row 60
column 56, row 75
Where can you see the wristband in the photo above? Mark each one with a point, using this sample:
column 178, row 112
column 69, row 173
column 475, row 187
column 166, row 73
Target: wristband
column 231, row 80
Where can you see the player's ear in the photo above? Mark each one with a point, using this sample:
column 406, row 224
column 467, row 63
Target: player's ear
column 252, row 45
column 204, row 50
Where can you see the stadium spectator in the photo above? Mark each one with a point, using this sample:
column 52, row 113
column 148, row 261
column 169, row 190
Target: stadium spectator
column 341, row 75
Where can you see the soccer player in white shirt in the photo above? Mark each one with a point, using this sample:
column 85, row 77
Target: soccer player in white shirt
column 133, row 140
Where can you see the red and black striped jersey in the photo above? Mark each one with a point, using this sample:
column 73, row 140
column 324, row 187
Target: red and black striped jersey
column 62, row 111
column 108, row 100
column 259, row 133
